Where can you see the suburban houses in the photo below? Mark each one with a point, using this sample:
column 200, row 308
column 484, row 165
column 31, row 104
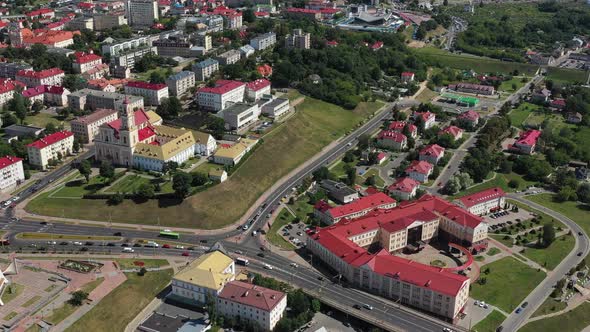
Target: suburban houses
column 432, row 153
column 392, row 140
column 404, row 188
column 420, row 170
column 526, row 142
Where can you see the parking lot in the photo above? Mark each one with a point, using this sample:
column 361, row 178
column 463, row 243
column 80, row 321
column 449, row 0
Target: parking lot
column 506, row 218
column 573, row 64
column 294, row 233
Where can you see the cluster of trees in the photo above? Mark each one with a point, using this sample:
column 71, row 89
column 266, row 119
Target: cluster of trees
column 457, row 183
column 38, row 57
column 153, row 61
column 169, row 108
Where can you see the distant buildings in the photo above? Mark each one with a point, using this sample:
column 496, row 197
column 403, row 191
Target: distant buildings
column 142, row 13
column 299, row 13
column 9, row 69
column 52, row 147
column 95, row 99
column 84, row 62
column 298, row 39
column 355, row 209
column 217, row 98
column 180, row 83
column 407, row 77
column 31, row 78
column 12, row 172
column 483, row 202
column 229, row 58
column 473, row 88
column 264, row 41
column 152, row 93
column 108, row 20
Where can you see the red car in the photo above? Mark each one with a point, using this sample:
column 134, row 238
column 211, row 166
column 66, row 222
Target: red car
column 166, row 246
column 185, row 254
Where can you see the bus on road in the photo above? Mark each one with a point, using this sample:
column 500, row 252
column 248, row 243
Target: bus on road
column 169, row 234
column 242, row 261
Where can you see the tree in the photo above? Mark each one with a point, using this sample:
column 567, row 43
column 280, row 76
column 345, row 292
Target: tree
column 584, row 193
column 17, row 106
column 170, row 166
column 37, row 106
column 321, row 173
column 216, row 125
column 169, row 108
column 106, row 170
column 78, row 297
column 157, row 77
column 116, row 199
column 514, row 183
column 50, row 128
column 145, row 191
column 73, row 82
column 76, row 145
column 350, row 174
column 248, row 15
column 364, row 140
column 548, row 234
column 199, row 179
column 85, row 169
column 348, row 156
column 316, row 305
column 566, row 194
column 142, row 271
column 181, row 183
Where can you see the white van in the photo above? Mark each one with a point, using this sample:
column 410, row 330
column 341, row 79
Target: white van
column 152, row 244
column 127, row 249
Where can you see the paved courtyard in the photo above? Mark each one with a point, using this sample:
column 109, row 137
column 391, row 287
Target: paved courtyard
column 432, row 256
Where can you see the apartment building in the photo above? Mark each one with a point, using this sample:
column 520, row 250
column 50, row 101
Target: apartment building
column 174, row 47
column 302, row 13
column 7, row 90
column 526, row 142
column 257, row 88
column 152, row 93
column 142, row 13
column 400, row 127
column 50, row 148
column 30, row 78
column 404, row 188
column 204, row 69
column 48, row 95
column 355, row 209
column 264, row 41
column 84, row 62
column 469, row 118
column 96, row 99
column 128, row 58
column 116, row 47
column 483, row 202
column 276, row 108
column 104, row 21
column 392, row 140
column 442, row 292
column 9, row 69
column 420, row 170
column 13, row 174
column 229, row 58
column 298, row 39
column 258, row 305
column 432, row 153
column 239, row 115
column 180, row 83
column 479, row 89
column 85, row 128
column 216, row 98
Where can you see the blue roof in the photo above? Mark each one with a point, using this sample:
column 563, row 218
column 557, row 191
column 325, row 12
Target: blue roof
column 181, row 75
column 206, row 63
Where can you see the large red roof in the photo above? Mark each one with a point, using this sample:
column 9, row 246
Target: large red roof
column 7, row 85
column 392, row 135
column 40, row 74
column 482, row 196
column 51, row 139
column 405, row 185
column 400, row 125
column 419, row 166
column 251, row 295
column 140, row 118
column 147, row 85
column 258, row 84
column 432, row 150
column 470, row 115
column 370, row 202
column 42, row 89
column 222, row 86
column 83, row 57
column 529, row 137
column 302, row 10
column 8, row 160
column 451, row 130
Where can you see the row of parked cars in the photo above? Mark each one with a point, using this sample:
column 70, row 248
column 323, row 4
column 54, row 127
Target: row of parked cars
column 499, row 214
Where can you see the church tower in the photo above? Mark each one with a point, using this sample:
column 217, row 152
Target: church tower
column 128, row 134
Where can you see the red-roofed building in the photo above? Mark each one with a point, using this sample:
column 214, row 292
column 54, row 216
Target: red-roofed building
column 43, row 13
column 454, row 131
column 473, row 88
column 469, row 118
column 527, row 142
column 12, row 172
column 83, row 61
column 47, row 94
column 344, row 247
column 52, row 38
column 407, row 77
column 432, row 153
column 297, row 13
column 85, row 6
column 264, row 70
column 420, row 170
column 31, row 78
column 331, row 43
column 259, row 305
column 428, row 118
column 7, row 89
column 399, row 126
column 377, row 45
column 256, row 89
column 483, row 202
column 50, row 147
column 354, row 209
column 231, row 17
column 392, row 140
column 328, row 13
column 558, row 103
column 216, row 98
column 404, row 188
column 262, row 14
column 152, row 93
column 381, row 157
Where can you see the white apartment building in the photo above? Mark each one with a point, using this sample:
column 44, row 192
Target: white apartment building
column 31, row 78
column 11, row 169
column 298, row 40
column 259, row 305
column 85, row 128
column 229, row 58
column 179, row 84
column 152, row 93
column 142, row 13
column 217, row 98
column 258, row 88
column 50, row 147
column 204, row 69
column 84, row 62
column 276, row 108
column 239, row 115
column 483, row 202
column 7, row 90
column 264, row 41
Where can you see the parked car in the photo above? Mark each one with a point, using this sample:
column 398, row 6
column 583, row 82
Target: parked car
column 260, row 254
column 525, row 304
column 186, row 254
column 519, row 310
column 357, row 306
column 166, row 246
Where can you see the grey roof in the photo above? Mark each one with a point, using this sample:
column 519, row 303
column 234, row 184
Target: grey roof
column 334, row 187
column 104, row 94
column 238, row 108
column 181, row 75
column 206, row 63
column 276, row 102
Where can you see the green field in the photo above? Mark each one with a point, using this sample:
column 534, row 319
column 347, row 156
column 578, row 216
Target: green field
column 43, row 119
column 61, row 313
column 314, row 126
column 379, row 183
column 565, row 75
column 573, row 210
column 500, row 238
column 302, row 208
column 506, row 273
column 490, row 323
column 273, row 236
column 442, row 58
column 553, row 255
column 521, row 113
column 501, row 180
column 573, row 321
column 120, row 306
column 549, row 306
column 128, row 263
column 506, row 86
column 77, row 187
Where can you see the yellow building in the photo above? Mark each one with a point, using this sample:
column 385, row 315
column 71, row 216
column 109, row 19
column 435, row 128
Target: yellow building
column 204, row 278
column 232, row 155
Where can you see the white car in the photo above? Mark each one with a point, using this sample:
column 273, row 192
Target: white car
column 51, row 243
column 76, row 243
column 268, row 267
column 476, row 303
column 179, row 247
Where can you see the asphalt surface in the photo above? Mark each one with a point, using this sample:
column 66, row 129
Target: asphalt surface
column 544, row 289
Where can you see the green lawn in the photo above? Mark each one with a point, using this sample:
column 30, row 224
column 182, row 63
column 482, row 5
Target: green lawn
column 493, row 251
column 128, row 263
column 42, row 120
column 490, row 323
column 61, row 313
column 566, row 75
column 507, row 85
column 314, row 125
column 302, row 208
column 507, row 273
column 501, row 180
column 128, row 183
column 78, row 187
column 573, row 210
column 553, row 255
column 31, row 301
column 441, row 58
column 145, row 76
column 500, row 238
column 89, row 287
column 273, row 236
column 426, row 96
column 12, row 292
column 120, row 306
column 205, row 168
column 521, row 113
column 361, row 179
column 572, row 321
column 549, row 306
